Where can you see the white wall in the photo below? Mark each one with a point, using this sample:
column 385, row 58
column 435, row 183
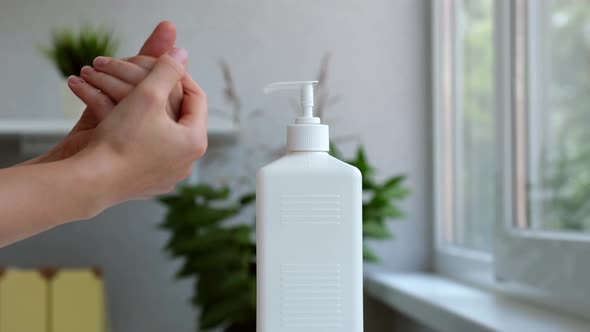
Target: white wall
column 380, row 69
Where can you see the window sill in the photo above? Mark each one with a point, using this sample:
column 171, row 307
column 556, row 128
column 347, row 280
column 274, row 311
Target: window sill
column 446, row 305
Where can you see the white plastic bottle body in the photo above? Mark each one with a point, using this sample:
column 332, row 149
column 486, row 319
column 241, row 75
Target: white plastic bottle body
column 309, row 245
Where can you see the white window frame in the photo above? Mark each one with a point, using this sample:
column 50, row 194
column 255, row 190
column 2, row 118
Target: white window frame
column 460, row 263
column 554, row 274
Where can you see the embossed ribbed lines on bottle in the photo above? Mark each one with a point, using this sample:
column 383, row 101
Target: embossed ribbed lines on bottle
column 311, row 209
column 311, row 295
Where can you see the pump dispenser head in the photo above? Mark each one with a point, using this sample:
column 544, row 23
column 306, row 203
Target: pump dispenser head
column 306, row 91
column 307, row 134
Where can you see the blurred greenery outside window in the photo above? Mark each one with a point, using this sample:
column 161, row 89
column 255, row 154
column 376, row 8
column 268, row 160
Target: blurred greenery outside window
column 556, row 130
column 468, row 152
column 558, row 116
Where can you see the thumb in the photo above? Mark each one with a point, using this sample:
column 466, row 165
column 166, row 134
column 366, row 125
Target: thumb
column 193, row 112
column 166, row 73
column 160, row 41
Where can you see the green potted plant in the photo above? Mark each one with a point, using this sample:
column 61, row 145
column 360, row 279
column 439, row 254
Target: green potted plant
column 70, row 51
column 215, row 238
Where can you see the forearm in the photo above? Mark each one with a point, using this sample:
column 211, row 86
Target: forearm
column 37, row 197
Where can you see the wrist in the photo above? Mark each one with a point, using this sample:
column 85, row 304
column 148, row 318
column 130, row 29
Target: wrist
column 97, row 175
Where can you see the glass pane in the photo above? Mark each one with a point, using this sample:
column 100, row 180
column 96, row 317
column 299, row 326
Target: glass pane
column 474, row 132
column 559, row 115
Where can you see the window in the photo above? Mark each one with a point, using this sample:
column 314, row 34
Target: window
column 558, row 116
column 512, row 145
column 465, row 143
column 470, row 126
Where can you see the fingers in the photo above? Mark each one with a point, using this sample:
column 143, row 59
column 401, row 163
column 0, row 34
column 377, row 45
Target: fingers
column 167, row 72
column 194, row 106
column 109, row 85
column 175, row 97
column 194, row 114
column 124, row 70
column 145, row 62
column 97, row 102
column 160, row 41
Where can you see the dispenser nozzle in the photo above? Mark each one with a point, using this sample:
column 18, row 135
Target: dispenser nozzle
column 306, row 90
column 307, row 133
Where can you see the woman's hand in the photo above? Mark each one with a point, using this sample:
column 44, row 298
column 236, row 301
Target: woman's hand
column 111, row 80
column 159, row 42
column 138, row 148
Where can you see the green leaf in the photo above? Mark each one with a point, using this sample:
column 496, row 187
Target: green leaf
column 210, row 216
column 219, row 260
column 334, row 151
column 70, row 51
column 369, row 255
column 369, row 184
column 394, row 181
column 214, row 286
column 248, row 198
column 380, row 206
column 376, row 230
column 379, row 200
column 392, row 212
column 235, row 282
column 249, row 326
column 397, row 192
column 205, row 191
column 172, row 201
column 393, row 188
column 361, row 162
column 382, row 213
column 223, row 310
column 216, row 261
column 201, row 216
column 212, row 239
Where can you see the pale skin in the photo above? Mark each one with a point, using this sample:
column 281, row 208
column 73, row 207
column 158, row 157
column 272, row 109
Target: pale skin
column 144, row 126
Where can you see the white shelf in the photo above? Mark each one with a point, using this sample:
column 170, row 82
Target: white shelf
column 35, row 127
column 61, row 127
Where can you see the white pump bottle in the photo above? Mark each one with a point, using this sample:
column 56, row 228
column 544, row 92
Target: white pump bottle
column 309, row 233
